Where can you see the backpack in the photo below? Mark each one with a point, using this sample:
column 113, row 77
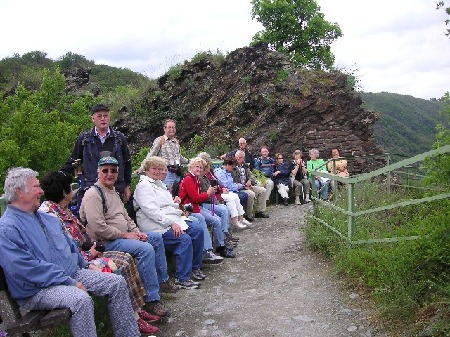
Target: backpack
column 129, row 207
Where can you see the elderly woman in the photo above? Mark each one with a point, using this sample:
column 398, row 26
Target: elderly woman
column 58, row 194
column 302, row 187
column 190, row 194
column 316, row 163
column 281, row 177
column 217, row 203
column 156, row 211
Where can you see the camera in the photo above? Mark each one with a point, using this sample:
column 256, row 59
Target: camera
column 87, row 245
column 213, row 183
column 189, row 208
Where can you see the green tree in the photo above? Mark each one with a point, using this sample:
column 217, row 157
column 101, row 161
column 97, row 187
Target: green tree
column 441, row 4
column 297, row 29
column 438, row 167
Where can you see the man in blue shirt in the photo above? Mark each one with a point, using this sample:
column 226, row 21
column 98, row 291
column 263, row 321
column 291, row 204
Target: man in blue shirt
column 43, row 267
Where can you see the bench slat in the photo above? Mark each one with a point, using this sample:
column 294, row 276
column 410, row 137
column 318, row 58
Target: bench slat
column 56, row 317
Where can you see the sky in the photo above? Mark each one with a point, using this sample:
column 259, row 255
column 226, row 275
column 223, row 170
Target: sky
column 397, row 46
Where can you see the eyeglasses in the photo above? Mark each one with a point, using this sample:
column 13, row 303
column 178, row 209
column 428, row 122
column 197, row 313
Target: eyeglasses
column 114, row 170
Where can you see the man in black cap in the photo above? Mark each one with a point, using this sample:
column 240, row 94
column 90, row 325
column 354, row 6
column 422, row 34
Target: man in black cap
column 101, row 140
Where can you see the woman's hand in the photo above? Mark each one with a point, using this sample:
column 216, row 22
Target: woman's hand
column 177, row 199
column 211, row 190
column 225, row 190
column 177, row 231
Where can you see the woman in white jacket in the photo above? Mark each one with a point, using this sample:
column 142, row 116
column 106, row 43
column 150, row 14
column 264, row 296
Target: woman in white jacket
column 156, row 211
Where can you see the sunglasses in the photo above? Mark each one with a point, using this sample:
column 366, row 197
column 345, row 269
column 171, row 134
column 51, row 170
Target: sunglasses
column 280, row 158
column 114, row 170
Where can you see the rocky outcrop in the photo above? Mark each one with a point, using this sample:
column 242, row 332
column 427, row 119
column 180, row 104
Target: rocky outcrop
column 257, row 94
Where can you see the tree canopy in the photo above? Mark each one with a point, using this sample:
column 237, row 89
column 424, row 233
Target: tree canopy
column 297, row 29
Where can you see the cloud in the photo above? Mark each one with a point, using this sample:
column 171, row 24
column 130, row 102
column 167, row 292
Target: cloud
column 397, row 46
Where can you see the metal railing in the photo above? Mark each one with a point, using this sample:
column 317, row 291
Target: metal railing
column 350, row 183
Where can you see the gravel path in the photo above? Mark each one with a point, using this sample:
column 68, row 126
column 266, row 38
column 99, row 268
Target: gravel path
column 275, row 287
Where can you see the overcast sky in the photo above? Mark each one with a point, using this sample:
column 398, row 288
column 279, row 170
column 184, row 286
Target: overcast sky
column 396, row 46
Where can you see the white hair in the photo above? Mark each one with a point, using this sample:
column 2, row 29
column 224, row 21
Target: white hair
column 16, row 178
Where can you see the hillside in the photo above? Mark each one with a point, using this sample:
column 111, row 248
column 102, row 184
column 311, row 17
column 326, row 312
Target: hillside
column 257, row 94
column 406, row 124
column 98, row 78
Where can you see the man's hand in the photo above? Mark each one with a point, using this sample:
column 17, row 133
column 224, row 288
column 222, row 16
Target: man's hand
column 126, row 193
column 225, row 190
column 130, row 235
column 142, row 236
column 80, row 285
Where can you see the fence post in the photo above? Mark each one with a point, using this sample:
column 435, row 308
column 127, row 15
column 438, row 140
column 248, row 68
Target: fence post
column 388, row 178
column 351, row 206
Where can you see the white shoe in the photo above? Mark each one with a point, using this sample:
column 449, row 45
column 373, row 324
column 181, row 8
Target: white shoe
column 245, row 222
column 240, row 225
column 307, row 200
column 297, row 200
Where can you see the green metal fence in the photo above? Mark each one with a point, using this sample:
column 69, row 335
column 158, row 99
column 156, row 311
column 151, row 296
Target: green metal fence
column 386, row 174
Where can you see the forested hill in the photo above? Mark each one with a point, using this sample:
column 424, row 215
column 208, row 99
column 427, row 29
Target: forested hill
column 28, row 69
column 406, row 124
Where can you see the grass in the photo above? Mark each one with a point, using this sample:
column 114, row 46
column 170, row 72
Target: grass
column 408, row 280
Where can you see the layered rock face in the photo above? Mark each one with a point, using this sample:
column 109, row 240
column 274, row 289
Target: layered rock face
column 257, row 94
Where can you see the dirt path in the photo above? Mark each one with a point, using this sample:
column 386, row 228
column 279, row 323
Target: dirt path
column 275, row 287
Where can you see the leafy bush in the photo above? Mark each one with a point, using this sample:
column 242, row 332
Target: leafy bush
column 38, row 129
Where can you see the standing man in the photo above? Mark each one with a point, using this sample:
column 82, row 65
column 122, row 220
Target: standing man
column 101, row 140
column 248, row 157
column 108, row 222
column 44, row 269
column 266, row 164
column 167, row 147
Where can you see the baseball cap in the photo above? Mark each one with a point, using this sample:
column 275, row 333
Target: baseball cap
column 108, row 161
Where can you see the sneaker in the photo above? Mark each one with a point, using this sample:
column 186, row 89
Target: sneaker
column 232, row 237
column 188, row 284
column 230, row 243
column 145, row 328
column 225, row 252
column 261, row 214
column 157, row 308
column 249, row 218
column 210, row 258
column 198, row 274
column 297, row 200
column 245, row 222
column 240, row 225
column 168, row 287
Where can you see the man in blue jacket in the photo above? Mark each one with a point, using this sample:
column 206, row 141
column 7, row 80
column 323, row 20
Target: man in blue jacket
column 266, row 165
column 44, row 269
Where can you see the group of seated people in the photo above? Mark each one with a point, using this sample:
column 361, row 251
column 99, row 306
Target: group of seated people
column 295, row 174
column 104, row 240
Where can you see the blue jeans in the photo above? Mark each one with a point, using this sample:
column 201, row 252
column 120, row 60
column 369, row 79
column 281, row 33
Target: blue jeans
column 223, row 212
column 214, row 222
column 156, row 240
column 171, row 177
column 188, row 249
column 324, row 189
column 152, row 268
column 207, row 243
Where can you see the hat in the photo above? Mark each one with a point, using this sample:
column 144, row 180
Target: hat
column 99, row 107
column 108, row 161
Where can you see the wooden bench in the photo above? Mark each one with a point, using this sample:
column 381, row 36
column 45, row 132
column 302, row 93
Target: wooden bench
column 17, row 324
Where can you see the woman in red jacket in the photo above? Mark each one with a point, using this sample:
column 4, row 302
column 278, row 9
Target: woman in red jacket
column 189, row 193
